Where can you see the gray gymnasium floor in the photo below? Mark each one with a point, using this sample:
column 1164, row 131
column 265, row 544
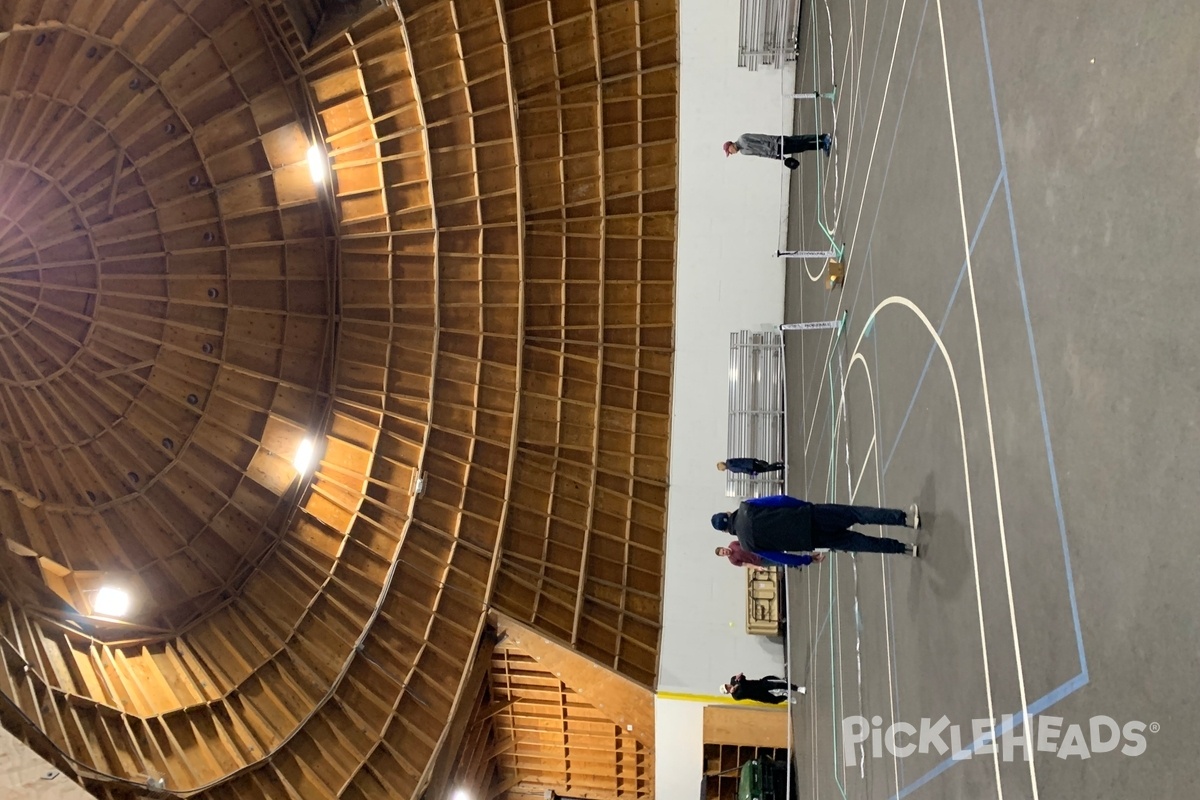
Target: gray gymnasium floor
column 1039, row 398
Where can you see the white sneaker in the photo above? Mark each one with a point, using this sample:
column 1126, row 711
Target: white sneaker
column 915, row 552
column 801, row 690
column 914, row 516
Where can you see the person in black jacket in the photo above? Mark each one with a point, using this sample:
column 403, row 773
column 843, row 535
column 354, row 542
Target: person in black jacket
column 790, row 525
column 771, row 689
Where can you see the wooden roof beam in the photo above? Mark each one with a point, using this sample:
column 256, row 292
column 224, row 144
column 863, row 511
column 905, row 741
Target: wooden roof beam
column 447, row 757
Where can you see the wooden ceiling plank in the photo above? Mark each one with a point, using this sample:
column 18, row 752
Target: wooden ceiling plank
column 500, row 789
column 439, row 776
column 476, row 427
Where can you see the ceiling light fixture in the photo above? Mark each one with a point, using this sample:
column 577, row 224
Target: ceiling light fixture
column 461, row 794
column 111, row 602
column 317, row 166
column 304, row 456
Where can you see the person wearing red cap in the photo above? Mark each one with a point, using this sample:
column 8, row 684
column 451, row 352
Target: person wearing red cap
column 776, row 147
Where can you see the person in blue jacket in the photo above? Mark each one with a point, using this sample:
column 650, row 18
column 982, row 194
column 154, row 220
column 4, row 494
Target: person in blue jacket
column 782, row 524
column 750, row 466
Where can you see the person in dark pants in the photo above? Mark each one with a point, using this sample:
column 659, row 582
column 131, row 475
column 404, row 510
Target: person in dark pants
column 749, row 466
column 764, row 146
column 770, row 689
column 788, row 524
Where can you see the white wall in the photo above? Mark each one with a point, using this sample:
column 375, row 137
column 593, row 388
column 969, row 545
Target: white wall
column 679, row 749
column 727, row 278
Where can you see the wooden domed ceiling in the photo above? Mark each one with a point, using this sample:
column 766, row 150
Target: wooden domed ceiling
column 471, row 315
column 165, row 312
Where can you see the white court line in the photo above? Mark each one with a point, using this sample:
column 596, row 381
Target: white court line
column 834, row 159
column 820, row 390
column 856, row 94
column 814, row 608
column 857, row 356
column 872, row 448
column 873, row 456
column 858, row 73
column 814, row 605
column 837, row 596
column 852, row 83
column 852, row 168
column 844, row 416
column 874, row 443
column 821, row 223
column 787, row 672
column 866, row 461
column 858, row 628
column 868, row 267
column 987, row 403
column 878, row 127
column 879, row 123
column 875, row 62
column 893, row 698
column 843, row 421
column 991, row 434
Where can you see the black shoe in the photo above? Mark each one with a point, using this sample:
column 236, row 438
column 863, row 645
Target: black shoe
column 825, row 142
column 791, row 163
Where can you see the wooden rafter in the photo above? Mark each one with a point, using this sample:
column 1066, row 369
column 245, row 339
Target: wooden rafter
column 491, row 263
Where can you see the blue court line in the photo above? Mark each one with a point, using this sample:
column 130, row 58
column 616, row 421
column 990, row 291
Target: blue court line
column 945, row 316
column 1083, row 678
column 1037, row 374
column 1035, row 708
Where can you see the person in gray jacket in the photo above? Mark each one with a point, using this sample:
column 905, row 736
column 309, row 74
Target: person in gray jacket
column 764, row 146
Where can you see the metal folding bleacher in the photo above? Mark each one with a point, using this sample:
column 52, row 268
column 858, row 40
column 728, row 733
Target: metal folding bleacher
column 756, row 424
column 768, row 33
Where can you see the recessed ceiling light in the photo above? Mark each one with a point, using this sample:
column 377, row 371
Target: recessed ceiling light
column 304, row 456
column 111, row 602
column 316, row 163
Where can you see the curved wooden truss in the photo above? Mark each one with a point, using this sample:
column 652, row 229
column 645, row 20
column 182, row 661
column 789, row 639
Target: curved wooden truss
column 473, row 316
